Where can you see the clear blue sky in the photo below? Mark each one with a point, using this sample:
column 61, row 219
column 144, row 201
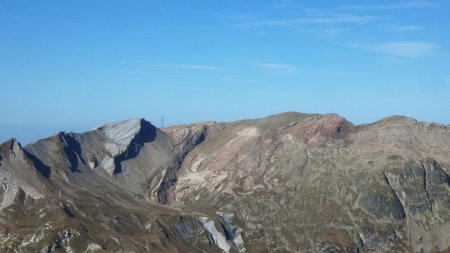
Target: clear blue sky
column 73, row 65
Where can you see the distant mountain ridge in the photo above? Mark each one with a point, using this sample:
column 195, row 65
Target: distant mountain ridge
column 289, row 182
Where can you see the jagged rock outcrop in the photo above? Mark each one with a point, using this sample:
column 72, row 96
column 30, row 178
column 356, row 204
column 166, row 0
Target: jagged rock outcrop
column 184, row 139
column 19, row 175
column 286, row 183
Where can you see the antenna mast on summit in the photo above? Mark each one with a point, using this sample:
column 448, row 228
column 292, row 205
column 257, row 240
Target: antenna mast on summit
column 162, row 121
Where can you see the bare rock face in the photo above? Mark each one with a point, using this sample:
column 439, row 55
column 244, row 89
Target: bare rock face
column 18, row 174
column 124, row 139
column 286, row 183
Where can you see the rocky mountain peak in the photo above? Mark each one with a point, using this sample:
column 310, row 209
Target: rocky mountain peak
column 392, row 121
column 124, row 132
column 124, row 139
column 10, row 149
column 314, row 129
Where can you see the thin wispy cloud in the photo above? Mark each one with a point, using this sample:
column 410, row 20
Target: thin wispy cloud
column 408, row 49
column 326, row 20
column 392, row 6
column 400, row 49
column 402, row 28
column 351, row 19
column 278, row 67
column 196, row 66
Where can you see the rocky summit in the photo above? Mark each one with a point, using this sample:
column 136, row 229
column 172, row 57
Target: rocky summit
column 291, row 182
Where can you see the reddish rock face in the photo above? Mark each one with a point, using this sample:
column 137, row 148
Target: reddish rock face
column 318, row 130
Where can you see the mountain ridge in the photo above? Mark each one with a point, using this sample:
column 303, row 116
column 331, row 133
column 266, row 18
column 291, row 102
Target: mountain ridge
column 384, row 119
column 289, row 182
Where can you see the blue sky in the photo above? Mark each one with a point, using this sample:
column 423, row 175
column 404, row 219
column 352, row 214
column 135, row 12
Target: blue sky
column 73, row 65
